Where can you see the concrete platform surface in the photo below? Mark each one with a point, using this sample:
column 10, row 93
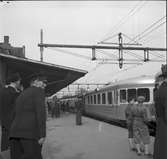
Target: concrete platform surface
column 91, row 140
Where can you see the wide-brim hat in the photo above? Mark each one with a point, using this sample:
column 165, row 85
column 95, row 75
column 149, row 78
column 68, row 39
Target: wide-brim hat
column 37, row 76
column 140, row 98
column 13, row 77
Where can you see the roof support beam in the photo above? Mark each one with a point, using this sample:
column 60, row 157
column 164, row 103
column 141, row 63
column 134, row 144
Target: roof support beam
column 101, row 47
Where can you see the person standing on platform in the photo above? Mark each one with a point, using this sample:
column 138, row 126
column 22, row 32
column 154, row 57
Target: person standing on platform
column 140, row 128
column 57, row 108
column 53, row 108
column 8, row 96
column 129, row 122
column 160, row 144
column 79, row 109
column 28, row 129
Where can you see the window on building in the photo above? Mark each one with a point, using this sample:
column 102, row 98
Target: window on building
column 132, row 94
column 123, row 96
column 103, row 98
column 99, row 99
column 144, row 92
column 94, row 99
column 109, row 97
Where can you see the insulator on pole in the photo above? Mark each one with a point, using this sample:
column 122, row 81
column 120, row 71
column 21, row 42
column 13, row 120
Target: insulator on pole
column 146, row 55
column 93, row 54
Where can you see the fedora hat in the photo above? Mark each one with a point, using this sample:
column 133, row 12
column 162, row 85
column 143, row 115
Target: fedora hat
column 13, row 77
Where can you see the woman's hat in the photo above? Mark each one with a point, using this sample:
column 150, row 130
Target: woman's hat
column 140, row 98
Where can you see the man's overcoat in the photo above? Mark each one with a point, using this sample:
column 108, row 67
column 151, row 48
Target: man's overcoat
column 160, row 147
column 30, row 118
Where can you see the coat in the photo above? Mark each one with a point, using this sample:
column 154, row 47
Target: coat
column 8, row 97
column 30, row 118
column 140, row 129
column 160, row 145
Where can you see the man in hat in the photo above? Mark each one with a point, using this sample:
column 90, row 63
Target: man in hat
column 161, row 117
column 28, row 129
column 79, row 109
column 8, row 95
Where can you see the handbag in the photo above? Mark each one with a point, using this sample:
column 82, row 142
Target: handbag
column 5, row 154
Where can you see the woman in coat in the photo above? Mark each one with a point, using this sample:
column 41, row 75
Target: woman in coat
column 140, row 129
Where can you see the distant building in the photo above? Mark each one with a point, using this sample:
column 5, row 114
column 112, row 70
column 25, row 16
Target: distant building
column 6, row 48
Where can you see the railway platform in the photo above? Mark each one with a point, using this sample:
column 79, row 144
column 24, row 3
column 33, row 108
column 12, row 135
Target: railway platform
column 92, row 140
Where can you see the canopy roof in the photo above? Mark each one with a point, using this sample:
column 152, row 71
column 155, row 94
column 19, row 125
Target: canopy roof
column 58, row 76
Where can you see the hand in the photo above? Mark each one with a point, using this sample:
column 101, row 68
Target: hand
column 41, row 140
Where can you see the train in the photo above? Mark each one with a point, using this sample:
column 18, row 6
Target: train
column 109, row 102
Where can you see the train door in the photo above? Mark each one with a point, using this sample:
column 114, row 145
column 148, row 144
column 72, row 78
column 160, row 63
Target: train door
column 116, row 97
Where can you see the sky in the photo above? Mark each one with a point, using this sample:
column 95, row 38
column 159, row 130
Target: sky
column 87, row 23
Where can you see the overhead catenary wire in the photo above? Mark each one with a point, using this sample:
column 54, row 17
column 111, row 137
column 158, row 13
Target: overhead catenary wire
column 136, row 8
column 106, row 53
column 69, row 52
column 140, row 36
column 134, row 55
column 153, row 30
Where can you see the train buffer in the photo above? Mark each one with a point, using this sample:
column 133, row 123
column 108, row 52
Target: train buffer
column 92, row 140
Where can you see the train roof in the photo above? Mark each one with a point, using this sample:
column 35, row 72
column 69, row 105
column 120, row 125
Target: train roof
column 144, row 80
column 58, row 76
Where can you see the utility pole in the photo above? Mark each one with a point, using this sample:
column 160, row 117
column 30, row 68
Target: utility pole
column 41, row 47
column 120, row 50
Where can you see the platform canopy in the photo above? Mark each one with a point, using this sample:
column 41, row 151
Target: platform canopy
column 58, row 76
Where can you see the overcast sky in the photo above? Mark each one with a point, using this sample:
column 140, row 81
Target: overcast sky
column 83, row 22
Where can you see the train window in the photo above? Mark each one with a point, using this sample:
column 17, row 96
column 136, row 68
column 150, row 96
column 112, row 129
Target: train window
column 94, row 99
column 98, row 99
column 91, row 99
column 88, row 99
column 123, row 96
column 103, row 98
column 144, row 92
column 131, row 94
column 110, row 98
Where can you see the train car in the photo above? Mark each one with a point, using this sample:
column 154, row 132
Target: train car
column 109, row 103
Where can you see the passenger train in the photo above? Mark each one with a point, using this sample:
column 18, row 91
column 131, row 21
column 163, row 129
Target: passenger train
column 109, row 103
